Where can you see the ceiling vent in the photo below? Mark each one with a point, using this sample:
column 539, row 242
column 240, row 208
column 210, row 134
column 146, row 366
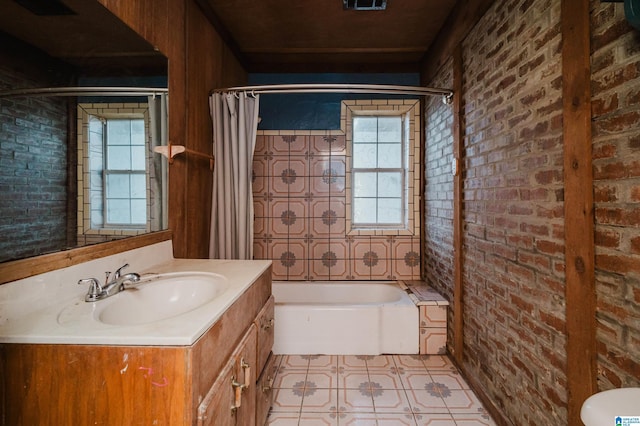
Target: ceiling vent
column 46, row 7
column 364, row 4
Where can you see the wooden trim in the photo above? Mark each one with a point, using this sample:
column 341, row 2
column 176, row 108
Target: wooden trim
column 222, row 31
column 460, row 21
column 24, row 268
column 578, row 207
column 458, row 185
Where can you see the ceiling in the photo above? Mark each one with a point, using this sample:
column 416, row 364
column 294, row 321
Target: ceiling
column 320, row 36
column 91, row 38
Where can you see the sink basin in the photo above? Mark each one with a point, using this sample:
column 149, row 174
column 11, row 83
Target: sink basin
column 604, row 408
column 160, row 297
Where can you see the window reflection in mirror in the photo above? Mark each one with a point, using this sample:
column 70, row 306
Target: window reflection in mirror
column 47, row 201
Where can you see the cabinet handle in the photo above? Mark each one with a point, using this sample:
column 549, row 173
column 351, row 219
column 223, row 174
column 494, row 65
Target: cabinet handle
column 266, row 388
column 247, row 373
column 268, row 324
column 238, row 388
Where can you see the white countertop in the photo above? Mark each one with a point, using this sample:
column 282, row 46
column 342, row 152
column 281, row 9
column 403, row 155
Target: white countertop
column 65, row 318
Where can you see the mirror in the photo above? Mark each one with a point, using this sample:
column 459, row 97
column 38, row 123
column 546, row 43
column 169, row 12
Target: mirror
column 77, row 170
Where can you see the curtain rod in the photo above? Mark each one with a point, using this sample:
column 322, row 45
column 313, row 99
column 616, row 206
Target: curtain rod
column 86, row 91
column 342, row 88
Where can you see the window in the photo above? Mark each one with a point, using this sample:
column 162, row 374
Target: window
column 124, row 181
column 379, row 172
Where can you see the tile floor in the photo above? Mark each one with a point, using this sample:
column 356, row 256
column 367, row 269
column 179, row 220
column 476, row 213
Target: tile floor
column 385, row 390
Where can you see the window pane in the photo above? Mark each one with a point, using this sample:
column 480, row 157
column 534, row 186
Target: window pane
column 390, row 155
column 389, row 210
column 364, row 210
column 138, row 211
column 364, row 184
column 138, row 154
column 364, row 156
column 365, row 129
column 139, row 186
column 118, row 132
column 119, row 158
column 118, row 211
column 118, row 186
column 137, row 132
column 390, row 185
column 389, row 129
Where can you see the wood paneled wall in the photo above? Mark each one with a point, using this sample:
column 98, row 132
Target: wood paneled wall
column 198, row 62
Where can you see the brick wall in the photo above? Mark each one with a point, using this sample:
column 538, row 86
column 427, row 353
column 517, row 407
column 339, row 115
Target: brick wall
column 438, row 229
column 33, row 164
column 514, row 324
column 616, row 150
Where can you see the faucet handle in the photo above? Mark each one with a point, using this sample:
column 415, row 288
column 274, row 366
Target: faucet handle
column 94, row 288
column 116, row 274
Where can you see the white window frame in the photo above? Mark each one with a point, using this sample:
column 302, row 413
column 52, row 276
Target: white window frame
column 114, row 110
column 410, row 110
column 107, row 170
column 402, row 224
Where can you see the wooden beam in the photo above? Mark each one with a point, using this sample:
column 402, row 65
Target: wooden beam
column 578, row 207
column 458, row 232
column 222, row 30
column 24, row 268
column 460, row 21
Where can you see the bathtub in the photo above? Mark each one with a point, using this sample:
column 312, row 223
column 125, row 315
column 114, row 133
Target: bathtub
column 344, row 318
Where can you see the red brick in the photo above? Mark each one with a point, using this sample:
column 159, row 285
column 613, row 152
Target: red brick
column 607, row 238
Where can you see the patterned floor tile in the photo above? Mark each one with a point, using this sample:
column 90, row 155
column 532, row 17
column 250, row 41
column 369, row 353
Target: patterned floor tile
column 391, row 401
column 409, row 362
column 323, row 362
column 353, row 379
column 386, row 380
column 352, row 362
column 294, row 362
column 354, row 401
column 283, row 419
column 323, row 379
column 286, row 401
column 451, row 380
column 416, row 379
column 386, row 390
column 438, row 362
column 357, row 419
column 463, row 401
column 378, row 362
column 473, row 420
column 434, row 420
column 394, row 419
column 320, row 400
column 423, row 401
column 318, row 419
column 290, row 379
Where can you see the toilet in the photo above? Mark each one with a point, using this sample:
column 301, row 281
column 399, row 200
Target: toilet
column 615, row 407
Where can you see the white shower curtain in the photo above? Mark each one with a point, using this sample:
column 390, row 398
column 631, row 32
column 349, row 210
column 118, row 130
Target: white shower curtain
column 235, row 123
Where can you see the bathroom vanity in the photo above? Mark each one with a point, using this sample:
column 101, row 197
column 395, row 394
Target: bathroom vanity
column 61, row 364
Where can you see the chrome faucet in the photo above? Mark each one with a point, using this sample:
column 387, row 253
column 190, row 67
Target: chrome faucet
column 116, row 285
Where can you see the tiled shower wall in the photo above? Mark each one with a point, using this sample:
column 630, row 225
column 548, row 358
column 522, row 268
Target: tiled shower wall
column 300, row 193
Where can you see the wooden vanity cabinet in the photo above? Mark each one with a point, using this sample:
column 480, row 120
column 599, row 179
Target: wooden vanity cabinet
column 142, row 385
column 232, row 398
column 265, row 361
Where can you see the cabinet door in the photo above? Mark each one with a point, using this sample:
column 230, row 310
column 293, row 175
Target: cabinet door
column 245, row 375
column 264, row 322
column 265, row 391
column 217, row 406
column 231, row 400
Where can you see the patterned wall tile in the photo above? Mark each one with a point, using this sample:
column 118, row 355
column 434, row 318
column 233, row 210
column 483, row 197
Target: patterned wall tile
column 290, row 144
column 334, row 144
column 299, row 193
